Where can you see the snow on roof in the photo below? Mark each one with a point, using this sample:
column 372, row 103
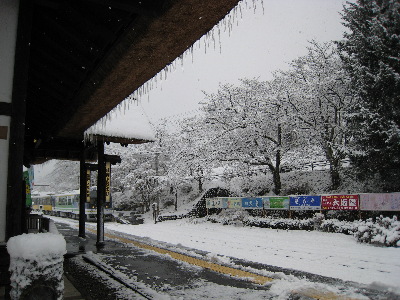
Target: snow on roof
column 129, row 125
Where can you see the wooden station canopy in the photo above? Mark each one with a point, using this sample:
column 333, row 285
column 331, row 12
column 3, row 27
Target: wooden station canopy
column 86, row 56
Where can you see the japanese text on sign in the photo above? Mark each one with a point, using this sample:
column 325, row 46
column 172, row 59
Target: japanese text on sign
column 108, row 178
column 215, row 203
column 87, row 185
column 305, row 202
column 340, row 202
column 252, row 203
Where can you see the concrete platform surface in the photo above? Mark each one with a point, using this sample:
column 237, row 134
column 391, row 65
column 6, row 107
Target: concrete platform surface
column 70, row 292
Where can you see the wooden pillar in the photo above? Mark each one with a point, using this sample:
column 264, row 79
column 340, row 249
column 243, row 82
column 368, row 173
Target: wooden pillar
column 101, row 193
column 82, row 199
column 17, row 122
column 8, row 36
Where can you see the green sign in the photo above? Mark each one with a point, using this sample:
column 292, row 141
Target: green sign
column 27, row 188
column 276, row 202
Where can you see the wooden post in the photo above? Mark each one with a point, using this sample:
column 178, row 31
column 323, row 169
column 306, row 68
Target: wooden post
column 17, row 123
column 82, row 199
column 101, row 193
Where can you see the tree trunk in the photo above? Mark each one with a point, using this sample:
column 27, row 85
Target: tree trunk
column 334, row 166
column 276, row 177
column 176, row 200
column 277, row 181
column 200, row 185
column 276, row 172
column 335, row 176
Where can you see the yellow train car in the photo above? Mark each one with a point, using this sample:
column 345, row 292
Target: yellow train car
column 43, row 203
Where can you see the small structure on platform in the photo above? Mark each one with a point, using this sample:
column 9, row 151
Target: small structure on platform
column 117, row 130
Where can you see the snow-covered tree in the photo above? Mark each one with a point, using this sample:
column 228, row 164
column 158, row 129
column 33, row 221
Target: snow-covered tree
column 189, row 154
column 249, row 124
column 318, row 90
column 64, row 177
column 371, row 52
column 139, row 172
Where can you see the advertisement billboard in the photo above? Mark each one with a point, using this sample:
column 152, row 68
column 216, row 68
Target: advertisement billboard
column 305, row 202
column 234, row 202
column 276, row 202
column 252, row 202
column 383, row 202
column 340, row 202
column 215, row 202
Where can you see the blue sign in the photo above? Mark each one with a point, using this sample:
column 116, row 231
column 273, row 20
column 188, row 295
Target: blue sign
column 305, row 202
column 252, row 202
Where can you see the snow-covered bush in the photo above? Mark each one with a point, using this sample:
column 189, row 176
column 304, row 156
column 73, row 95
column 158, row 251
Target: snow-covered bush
column 36, row 265
column 230, row 217
column 281, row 223
column 334, row 225
column 383, row 231
column 242, row 218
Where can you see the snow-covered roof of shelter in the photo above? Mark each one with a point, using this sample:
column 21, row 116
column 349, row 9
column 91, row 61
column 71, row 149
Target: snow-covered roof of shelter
column 130, row 127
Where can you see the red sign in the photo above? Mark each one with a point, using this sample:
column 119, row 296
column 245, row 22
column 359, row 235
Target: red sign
column 340, row 202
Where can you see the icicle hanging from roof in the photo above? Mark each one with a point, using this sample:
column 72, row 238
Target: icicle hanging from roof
column 226, row 24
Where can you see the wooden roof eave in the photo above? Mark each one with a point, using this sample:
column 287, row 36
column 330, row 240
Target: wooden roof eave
column 147, row 48
column 118, row 140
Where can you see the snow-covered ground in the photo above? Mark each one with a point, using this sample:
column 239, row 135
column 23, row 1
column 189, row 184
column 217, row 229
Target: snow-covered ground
column 328, row 254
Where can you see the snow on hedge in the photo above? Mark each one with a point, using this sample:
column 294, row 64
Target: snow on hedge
column 383, row 231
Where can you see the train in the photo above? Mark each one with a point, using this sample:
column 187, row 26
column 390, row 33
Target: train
column 67, row 205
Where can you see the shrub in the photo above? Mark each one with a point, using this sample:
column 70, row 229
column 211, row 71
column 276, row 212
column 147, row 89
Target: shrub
column 383, row 232
column 334, row 225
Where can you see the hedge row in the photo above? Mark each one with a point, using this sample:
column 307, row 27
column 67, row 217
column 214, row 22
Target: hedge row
column 382, row 231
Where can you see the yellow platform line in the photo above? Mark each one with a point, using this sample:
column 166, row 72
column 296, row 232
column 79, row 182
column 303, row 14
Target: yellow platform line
column 320, row 295
column 259, row 279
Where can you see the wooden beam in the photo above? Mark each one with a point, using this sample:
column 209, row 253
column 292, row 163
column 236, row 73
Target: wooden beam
column 128, row 6
column 113, row 159
column 104, row 34
column 74, row 37
column 58, row 64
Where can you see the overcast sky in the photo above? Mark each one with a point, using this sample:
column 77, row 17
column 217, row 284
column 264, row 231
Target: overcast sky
column 259, row 43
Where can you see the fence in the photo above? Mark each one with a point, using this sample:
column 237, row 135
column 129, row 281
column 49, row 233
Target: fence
column 37, row 223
